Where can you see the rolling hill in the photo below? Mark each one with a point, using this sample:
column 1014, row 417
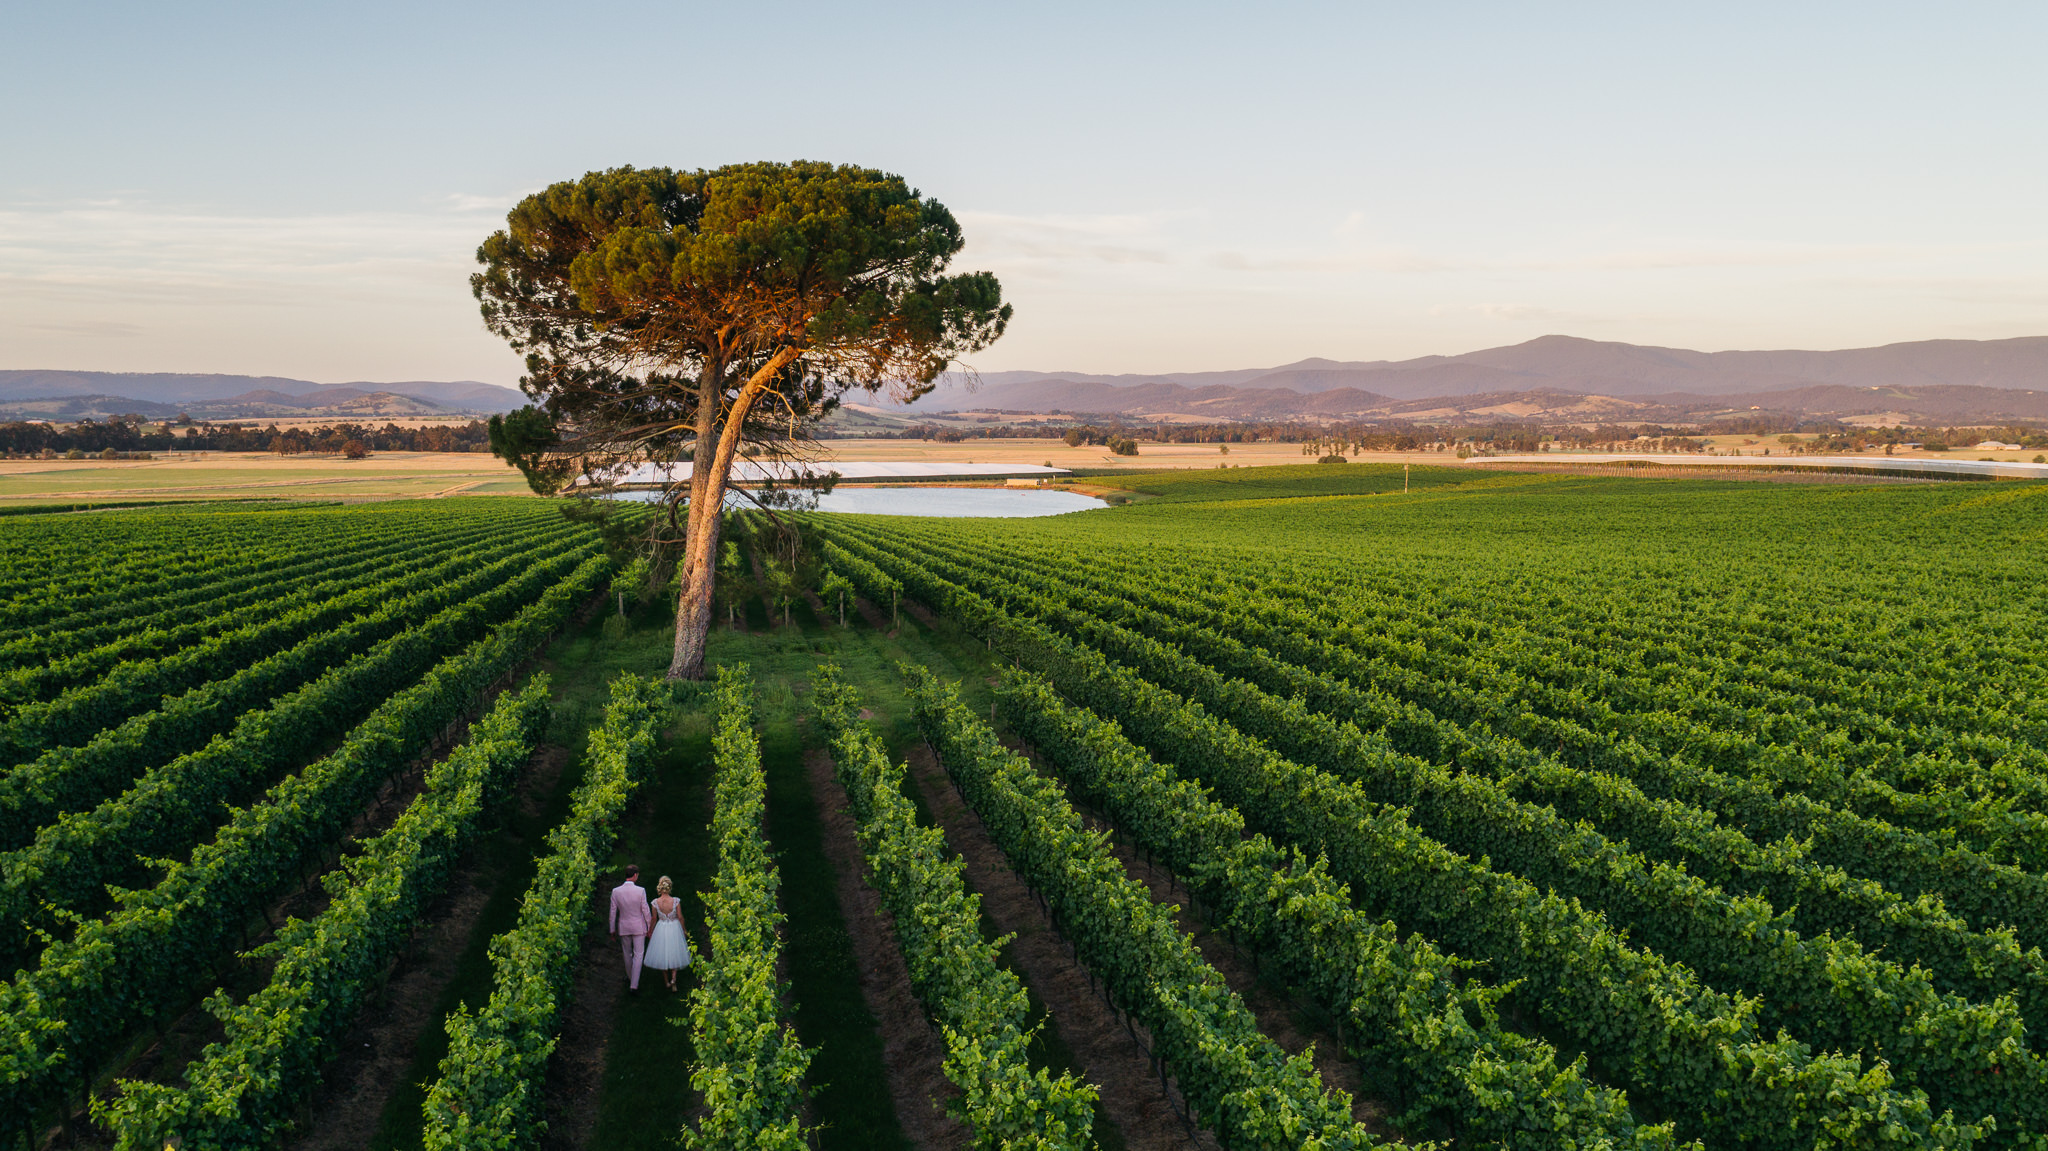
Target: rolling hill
column 76, row 395
column 1550, row 379
column 1568, row 363
column 1558, row 377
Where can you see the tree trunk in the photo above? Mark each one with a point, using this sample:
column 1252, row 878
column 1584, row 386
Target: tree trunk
column 694, row 599
column 708, row 473
column 693, row 606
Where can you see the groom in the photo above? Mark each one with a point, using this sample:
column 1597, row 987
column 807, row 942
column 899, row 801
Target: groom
column 631, row 923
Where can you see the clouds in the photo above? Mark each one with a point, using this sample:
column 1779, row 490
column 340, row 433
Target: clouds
column 1186, row 286
column 127, row 284
column 1186, row 186
column 1052, row 245
column 137, row 250
column 1180, row 239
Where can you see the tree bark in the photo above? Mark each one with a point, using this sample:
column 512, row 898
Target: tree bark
column 709, row 470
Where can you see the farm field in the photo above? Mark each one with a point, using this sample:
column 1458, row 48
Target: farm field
column 1276, row 805
column 257, row 475
column 1774, row 800
column 209, row 476
column 1092, row 456
column 204, row 476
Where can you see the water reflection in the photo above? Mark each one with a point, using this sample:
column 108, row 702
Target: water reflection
column 915, row 501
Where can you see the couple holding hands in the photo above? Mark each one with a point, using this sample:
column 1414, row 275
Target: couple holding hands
column 651, row 932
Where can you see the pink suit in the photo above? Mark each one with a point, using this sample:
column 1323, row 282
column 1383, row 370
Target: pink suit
column 631, row 920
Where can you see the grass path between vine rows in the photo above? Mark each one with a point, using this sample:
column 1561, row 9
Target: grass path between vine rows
column 620, row 1077
column 855, row 1085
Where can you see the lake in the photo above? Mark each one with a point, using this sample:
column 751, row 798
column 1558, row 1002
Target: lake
column 1006, row 503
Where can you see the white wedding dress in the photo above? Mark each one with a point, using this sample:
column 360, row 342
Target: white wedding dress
column 667, row 950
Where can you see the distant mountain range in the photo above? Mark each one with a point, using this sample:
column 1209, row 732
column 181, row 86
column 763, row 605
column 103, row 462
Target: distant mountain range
column 1558, row 378
column 62, row 395
column 1554, row 379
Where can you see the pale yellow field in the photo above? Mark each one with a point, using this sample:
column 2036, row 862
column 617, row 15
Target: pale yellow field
column 321, row 423
column 411, row 475
column 240, row 475
column 1755, row 445
column 1059, row 455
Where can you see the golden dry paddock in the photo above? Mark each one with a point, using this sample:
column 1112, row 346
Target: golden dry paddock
column 258, row 475
column 414, row 475
column 403, row 475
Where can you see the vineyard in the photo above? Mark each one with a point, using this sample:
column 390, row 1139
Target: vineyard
column 1277, row 807
column 1776, row 811
column 202, row 710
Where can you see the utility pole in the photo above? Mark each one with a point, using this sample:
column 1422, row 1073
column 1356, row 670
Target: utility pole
column 1404, row 477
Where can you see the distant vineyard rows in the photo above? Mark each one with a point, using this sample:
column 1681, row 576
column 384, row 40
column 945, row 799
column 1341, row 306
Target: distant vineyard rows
column 1572, row 831
column 1779, row 876
column 195, row 708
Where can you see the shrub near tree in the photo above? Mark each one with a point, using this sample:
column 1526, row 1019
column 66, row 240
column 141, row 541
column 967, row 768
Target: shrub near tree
column 735, row 582
column 669, row 316
column 835, row 590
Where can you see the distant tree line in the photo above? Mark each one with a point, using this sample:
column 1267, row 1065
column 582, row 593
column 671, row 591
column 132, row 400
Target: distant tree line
column 1321, row 440
column 133, row 435
column 1869, row 439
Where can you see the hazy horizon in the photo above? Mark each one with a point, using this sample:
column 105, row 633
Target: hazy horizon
column 956, row 378
column 297, row 192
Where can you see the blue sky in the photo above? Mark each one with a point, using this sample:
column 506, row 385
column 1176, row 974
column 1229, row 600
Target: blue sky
column 298, row 189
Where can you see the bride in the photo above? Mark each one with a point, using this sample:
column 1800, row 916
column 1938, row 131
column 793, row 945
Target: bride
column 668, row 950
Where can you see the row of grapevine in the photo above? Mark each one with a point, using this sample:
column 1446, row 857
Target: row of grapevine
column 1239, row 1083
column 1914, row 863
column 71, row 861
column 1957, row 756
column 69, row 779
column 133, row 565
column 1819, row 896
column 1693, row 1053
column 1970, row 1057
column 88, row 992
column 875, row 585
column 75, row 716
column 93, row 569
column 749, row 1065
column 1860, row 652
column 1870, row 711
column 980, row 1008
column 1853, row 656
column 241, row 1092
column 43, row 666
column 1400, row 999
column 1824, row 900
column 1680, row 777
column 284, row 591
column 488, row 1093
column 221, row 600
column 1985, row 893
column 1993, row 800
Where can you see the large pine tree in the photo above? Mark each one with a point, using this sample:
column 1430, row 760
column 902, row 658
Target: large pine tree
column 669, row 316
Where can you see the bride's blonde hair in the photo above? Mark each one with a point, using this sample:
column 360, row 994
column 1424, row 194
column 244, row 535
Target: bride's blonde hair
column 661, row 885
